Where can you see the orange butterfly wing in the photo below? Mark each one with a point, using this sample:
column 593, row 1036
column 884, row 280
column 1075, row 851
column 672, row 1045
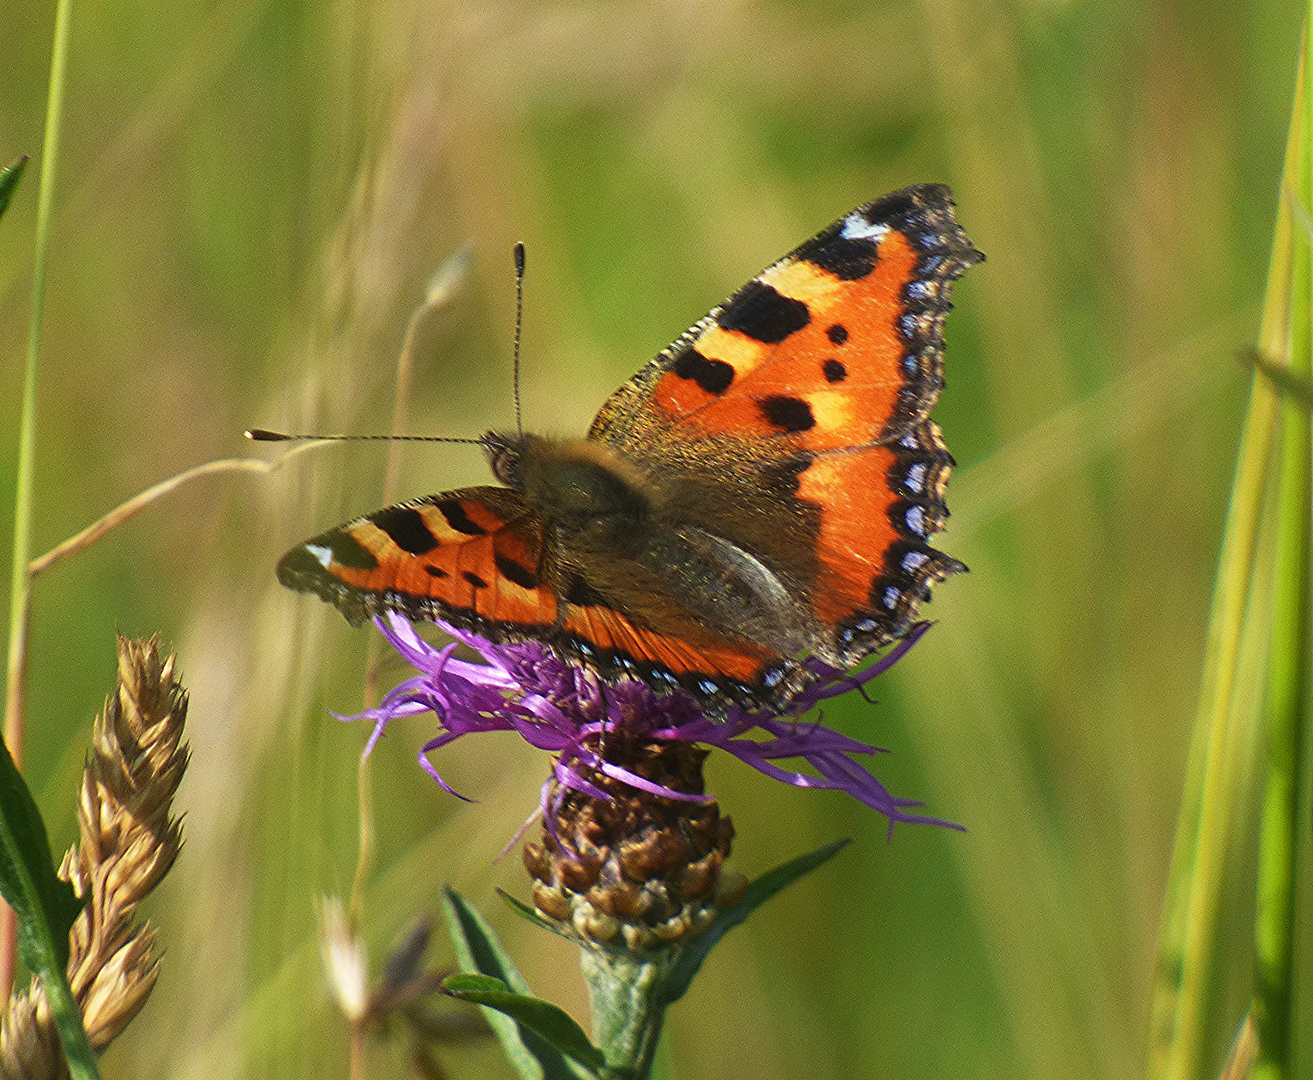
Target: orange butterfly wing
column 471, row 557
column 477, row 559
column 824, row 367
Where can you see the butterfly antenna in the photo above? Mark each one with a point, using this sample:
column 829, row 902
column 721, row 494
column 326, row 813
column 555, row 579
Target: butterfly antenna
column 262, row 435
column 519, row 320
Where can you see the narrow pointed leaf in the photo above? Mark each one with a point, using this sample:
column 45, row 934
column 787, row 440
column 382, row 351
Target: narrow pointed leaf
column 524, row 911
column 761, row 890
column 479, row 952
column 45, row 905
column 9, row 177
column 544, row 1019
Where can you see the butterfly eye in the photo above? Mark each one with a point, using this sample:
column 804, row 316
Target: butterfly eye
column 505, row 457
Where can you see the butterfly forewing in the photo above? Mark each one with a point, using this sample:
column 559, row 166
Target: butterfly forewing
column 471, row 557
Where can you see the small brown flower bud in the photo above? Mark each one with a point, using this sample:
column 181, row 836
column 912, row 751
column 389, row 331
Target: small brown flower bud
column 640, row 869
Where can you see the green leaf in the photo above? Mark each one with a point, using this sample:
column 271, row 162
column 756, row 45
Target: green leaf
column 480, row 953
column 9, row 177
column 691, row 958
column 543, row 1018
column 524, row 911
column 45, row 905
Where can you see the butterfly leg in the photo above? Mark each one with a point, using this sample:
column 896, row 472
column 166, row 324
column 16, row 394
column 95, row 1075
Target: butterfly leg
column 606, row 719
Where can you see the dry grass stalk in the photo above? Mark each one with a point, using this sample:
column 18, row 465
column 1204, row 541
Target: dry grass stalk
column 129, row 842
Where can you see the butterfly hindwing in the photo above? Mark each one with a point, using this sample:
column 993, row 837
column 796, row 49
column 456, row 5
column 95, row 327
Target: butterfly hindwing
column 701, row 663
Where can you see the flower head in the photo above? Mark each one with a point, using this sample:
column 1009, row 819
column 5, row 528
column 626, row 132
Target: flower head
column 564, row 709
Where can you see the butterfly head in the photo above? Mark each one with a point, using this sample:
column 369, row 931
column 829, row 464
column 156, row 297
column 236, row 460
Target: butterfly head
column 580, row 486
column 506, row 454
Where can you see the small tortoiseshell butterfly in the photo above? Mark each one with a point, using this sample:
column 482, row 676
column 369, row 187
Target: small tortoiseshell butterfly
column 761, row 492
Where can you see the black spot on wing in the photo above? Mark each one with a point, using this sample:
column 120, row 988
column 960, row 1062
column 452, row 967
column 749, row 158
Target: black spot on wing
column 837, row 334
column 714, row 376
column 847, row 259
column 405, row 528
column 474, row 579
column 788, row 413
column 435, row 571
column 912, row 202
column 514, row 572
column 834, row 371
column 452, row 510
column 762, row 313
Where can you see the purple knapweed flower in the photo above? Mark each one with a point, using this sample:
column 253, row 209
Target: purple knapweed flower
column 560, row 707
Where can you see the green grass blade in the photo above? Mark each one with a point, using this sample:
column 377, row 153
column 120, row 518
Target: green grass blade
column 1199, row 966
column 23, row 494
column 1287, row 713
column 45, row 907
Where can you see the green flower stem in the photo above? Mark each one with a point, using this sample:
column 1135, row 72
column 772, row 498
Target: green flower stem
column 628, row 996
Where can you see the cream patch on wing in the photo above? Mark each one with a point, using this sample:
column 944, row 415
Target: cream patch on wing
column 801, row 280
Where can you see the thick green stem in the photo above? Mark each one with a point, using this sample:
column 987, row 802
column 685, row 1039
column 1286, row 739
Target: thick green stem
column 626, row 991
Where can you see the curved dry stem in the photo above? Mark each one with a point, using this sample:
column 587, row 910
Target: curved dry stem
column 441, row 291
column 139, row 502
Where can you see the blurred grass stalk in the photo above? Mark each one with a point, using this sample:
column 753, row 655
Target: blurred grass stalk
column 20, row 581
column 1235, row 931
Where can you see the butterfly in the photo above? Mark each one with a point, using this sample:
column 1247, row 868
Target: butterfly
column 760, row 493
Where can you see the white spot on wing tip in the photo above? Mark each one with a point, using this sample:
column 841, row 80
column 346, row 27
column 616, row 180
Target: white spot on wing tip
column 322, row 554
column 856, row 227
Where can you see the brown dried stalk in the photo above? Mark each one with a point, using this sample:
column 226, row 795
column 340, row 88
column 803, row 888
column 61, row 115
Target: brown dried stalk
column 129, row 842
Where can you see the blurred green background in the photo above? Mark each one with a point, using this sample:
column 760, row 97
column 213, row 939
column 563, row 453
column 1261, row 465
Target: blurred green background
column 252, row 196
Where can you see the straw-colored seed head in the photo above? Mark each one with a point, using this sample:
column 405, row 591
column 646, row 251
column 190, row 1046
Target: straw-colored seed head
column 129, row 840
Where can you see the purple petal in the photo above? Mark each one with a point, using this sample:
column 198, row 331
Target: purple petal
column 563, row 709
column 652, row 788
